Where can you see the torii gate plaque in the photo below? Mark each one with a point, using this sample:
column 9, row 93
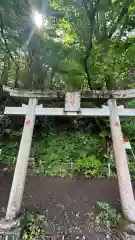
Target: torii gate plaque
column 72, row 108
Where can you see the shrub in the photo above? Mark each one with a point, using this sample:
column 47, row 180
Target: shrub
column 89, row 166
column 108, row 217
column 32, row 225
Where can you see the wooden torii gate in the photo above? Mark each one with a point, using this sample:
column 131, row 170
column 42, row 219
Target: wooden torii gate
column 72, row 108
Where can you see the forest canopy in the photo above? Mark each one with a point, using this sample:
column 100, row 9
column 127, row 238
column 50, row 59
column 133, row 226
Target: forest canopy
column 70, row 44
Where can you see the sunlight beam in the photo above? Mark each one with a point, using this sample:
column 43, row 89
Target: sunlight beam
column 38, row 19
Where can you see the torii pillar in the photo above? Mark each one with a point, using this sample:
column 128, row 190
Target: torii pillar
column 18, row 183
column 124, row 180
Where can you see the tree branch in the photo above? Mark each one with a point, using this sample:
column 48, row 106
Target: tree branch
column 123, row 12
column 4, row 39
column 91, row 17
column 7, row 48
column 87, row 8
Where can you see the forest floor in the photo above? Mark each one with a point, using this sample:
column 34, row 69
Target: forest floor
column 66, row 203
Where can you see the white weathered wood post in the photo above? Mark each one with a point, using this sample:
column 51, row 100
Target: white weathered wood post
column 124, row 180
column 18, row 183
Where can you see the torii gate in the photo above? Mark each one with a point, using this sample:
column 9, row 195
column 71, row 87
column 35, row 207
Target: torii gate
column 72, row 108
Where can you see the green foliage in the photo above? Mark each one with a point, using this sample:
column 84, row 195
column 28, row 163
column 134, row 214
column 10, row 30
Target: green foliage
column 89, row 166
column 128, row 125
column 108, row 217
column 132, row 168
column 81, row 43
column 9, row 153
column 64, row 153
column 4, row 126
column 59, row 154
column 31, row 226
column 61, row 151
column 9, row 143
column 104, row 49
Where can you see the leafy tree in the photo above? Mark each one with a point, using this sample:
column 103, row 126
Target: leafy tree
column 98, row 31
column 85, row 43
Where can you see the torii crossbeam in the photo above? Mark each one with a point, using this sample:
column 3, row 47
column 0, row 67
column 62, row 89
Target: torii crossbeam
column 71, row 108
column 86, row 112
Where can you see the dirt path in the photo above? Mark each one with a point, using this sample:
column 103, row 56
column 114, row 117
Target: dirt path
column 66, row 203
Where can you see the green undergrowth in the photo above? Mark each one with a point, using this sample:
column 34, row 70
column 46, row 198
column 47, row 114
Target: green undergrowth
column 63, row 154
column 32, row 225
column 59, row 151
column 60, row 154
column 107, row 216
column 66, row 154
